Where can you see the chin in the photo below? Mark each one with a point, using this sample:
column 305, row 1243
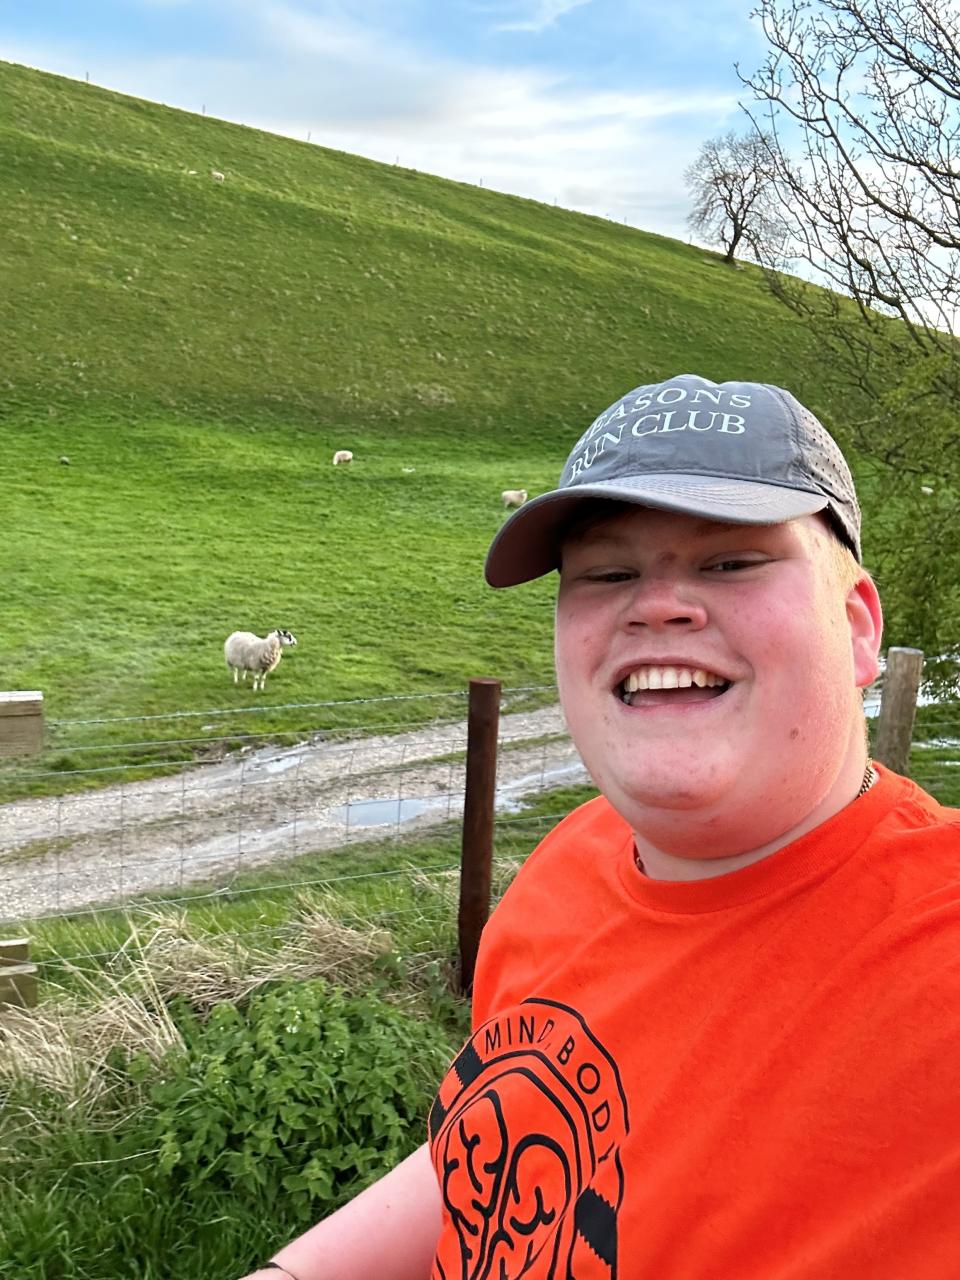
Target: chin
column 671, row 792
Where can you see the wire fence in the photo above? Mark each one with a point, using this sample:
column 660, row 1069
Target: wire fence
column 935, row 751
column 357, row 800
column 136, row 821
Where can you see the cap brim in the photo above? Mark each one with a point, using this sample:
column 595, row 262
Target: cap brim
column 528, row 544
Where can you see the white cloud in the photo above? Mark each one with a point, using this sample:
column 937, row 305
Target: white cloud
column 545, row 14
column 302, row 33
column 526, row 130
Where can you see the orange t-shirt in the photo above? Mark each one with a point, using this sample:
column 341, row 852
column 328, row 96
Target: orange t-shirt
column 753, row 1077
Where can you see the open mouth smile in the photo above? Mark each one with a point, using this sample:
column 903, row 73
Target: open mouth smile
column 660, row 685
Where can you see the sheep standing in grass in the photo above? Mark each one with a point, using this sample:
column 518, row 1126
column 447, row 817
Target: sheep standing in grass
column 245, row 652
column 514, row 497
column 342, row 455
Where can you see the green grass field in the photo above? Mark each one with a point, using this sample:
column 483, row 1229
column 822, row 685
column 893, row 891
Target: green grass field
column 199, row 349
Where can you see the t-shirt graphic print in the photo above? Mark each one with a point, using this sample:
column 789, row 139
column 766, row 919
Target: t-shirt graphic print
column 526, row 1133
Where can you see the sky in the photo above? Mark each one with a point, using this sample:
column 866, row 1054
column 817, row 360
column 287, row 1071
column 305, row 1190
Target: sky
column 596, row 105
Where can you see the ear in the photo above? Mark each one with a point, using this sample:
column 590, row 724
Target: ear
column 865, row 618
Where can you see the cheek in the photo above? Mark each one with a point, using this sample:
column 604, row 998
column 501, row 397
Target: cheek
column 578, row 655
column 564, row 649
column 803, row 655
column 561, row 644
column 807, row 638
column 815, row 666
column 576, row 640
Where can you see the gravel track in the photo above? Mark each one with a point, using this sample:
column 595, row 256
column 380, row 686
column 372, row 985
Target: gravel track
column 212, row 821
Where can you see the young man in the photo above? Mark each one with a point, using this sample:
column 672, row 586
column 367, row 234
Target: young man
column 716, row 1014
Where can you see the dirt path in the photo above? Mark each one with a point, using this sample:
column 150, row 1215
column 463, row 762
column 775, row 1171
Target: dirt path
column 212, row 821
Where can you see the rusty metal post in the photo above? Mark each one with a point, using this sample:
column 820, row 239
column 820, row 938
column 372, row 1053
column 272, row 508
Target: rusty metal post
column 898, row 707
column 476, row 850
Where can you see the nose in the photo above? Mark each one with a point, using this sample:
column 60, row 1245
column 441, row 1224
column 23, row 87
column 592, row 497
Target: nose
column 663, row 600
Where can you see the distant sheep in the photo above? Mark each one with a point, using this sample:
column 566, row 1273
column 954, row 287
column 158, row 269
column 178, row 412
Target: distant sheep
column 245, row 652
column 65, row 461
column 514, row 497
column 216, row 175
column 342, row 455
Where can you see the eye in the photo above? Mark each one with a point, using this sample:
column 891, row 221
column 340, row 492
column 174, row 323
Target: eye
column 734, row 564
column 608, row 575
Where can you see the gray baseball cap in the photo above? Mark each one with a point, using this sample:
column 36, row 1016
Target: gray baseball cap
column 745, row 452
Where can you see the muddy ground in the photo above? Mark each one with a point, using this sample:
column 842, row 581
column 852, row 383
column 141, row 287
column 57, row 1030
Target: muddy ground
column 211, row 821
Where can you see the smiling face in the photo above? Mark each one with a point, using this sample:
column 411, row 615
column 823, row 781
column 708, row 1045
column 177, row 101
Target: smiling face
column 708, row 673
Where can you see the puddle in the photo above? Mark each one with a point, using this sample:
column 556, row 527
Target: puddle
column 396, row 810
column 381, row 813
column 281, row 763
column 510, row 798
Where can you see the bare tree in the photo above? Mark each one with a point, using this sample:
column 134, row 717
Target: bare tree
column 729, row 184
column 860, row 108
column 866, row 96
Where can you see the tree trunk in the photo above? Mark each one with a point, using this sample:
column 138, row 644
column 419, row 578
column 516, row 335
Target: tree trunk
column 735, row 239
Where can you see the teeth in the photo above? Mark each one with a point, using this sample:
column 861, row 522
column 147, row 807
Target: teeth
column 670, row 678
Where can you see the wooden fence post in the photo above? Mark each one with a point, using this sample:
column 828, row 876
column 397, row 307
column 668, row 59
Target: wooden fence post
column 898, row 707
column 476, row 850
column 21, row 733
column 21, row 723
column 18, row 977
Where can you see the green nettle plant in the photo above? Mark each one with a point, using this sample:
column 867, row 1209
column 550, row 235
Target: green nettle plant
column 302, row 1096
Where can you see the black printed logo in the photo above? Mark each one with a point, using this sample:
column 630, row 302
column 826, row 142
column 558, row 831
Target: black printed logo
column 527, row 1131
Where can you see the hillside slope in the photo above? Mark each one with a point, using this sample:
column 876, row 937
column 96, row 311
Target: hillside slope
column 197, row 349
column 316, row 284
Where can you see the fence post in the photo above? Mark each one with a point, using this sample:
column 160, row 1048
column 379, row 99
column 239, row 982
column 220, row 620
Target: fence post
column 18, row 978
column 21, row 723
column 898, row 707
column 476, row 850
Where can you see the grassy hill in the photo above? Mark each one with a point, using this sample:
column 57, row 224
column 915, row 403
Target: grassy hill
column 316, row 285
column 198, row 349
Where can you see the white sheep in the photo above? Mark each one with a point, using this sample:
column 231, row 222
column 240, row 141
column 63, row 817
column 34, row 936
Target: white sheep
column 514, row 497
column 342, row 455
column 245, row 652
column 216, row 175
